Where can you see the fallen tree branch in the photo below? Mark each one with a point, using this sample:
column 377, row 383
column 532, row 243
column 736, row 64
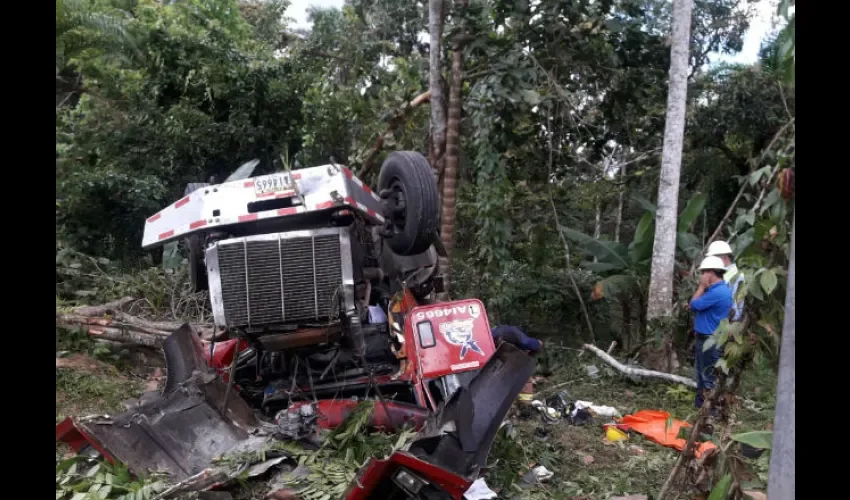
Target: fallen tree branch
column 122, row 335
column 108, row 308
column 108, row 322
column 395, row 121
column 639, row 372
column 75, row 320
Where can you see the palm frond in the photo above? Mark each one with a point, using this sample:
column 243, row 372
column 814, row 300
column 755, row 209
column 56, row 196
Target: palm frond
column 609, row 252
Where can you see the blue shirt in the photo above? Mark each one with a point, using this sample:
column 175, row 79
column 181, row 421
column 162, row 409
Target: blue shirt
column 712, row 307
column 516, row 336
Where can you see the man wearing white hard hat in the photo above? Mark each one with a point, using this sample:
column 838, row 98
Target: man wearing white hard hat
column 732, row 277
column 711, row 304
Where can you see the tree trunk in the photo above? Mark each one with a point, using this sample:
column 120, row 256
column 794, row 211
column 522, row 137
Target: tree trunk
column 660, row 302
column 597, row 223
column 438, row 110
column 597, row 220
column 626, row 326
column 449, row 191
column 781, row 484
column 619, row 221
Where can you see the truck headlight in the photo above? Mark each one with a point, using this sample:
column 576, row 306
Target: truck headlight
column 408, row 481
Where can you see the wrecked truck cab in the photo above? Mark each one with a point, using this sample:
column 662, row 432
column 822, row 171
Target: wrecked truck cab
column 325, row 290
column 302, row 266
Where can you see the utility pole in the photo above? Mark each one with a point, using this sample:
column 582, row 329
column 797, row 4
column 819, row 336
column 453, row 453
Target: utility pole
column 781, row 478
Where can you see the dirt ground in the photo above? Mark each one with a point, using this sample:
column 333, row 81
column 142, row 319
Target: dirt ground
column 86, row 385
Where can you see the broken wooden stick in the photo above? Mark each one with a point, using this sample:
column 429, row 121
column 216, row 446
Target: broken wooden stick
column 688, row 450
column 639, row 372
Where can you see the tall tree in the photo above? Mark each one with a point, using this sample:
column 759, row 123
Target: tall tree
column 449, row 194
column 84, row 26
column 438, row 103
column 660, row 302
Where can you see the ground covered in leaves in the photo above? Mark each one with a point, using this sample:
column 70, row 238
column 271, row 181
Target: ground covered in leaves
column 584, row 464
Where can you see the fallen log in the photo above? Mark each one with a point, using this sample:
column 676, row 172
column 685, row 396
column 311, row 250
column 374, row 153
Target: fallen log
column 108, row 308
column 109, row 322
column 639, row 372
column 103, row 328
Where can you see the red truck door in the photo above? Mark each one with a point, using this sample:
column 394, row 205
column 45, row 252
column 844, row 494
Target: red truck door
column 450, row 337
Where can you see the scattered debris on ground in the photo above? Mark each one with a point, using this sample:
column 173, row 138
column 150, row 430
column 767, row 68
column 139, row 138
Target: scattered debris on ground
column 582, row 461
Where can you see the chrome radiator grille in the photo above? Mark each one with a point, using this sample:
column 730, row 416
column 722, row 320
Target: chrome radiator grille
column 274, row 279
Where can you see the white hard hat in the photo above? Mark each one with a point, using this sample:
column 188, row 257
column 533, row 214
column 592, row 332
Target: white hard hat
column 712, row 263
column 719, row 248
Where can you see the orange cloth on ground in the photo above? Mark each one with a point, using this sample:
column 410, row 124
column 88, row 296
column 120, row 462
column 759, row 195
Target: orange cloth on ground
column 653, row 425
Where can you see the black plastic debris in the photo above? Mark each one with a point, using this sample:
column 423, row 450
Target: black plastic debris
column 579, row 417
column 560, row 403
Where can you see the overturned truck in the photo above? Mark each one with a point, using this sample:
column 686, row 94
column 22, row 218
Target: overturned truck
column 326, row 291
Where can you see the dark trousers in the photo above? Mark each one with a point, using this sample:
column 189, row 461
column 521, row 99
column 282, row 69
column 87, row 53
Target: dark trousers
column 704, row 362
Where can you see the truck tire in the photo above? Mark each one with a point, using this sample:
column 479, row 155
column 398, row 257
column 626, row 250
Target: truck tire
column 407, row 177
column 195, row 244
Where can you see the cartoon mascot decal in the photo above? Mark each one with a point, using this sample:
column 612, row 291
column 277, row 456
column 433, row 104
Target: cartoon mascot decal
column 459, row 332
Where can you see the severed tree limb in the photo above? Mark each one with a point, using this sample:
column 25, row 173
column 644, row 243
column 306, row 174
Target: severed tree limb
column 108, row 308
column 74, row 320
column 639, row 372
column 394, row 122
column 125, row 336
column 108, row 322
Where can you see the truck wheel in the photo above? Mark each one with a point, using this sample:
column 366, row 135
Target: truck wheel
column 195, row 244
column 413, row 211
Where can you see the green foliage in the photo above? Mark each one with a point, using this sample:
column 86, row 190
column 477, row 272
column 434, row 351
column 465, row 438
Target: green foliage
column 83, row 25
column 762, row 440
column 550, row 106
column 786, row 53
column 162, row 294
column 344, row 451
column 350, row 437
column 762, row 243
column 625, row 268
column 721, row 489
column 563, row 104
column 82, row 478
column 79, row 392
column 266, row 17
column 361, row 79
column 200, row 97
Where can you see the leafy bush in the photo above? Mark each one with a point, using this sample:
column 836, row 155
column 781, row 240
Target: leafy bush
column 83, row 478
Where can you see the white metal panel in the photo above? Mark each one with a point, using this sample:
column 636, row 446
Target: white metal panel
column 225, row 204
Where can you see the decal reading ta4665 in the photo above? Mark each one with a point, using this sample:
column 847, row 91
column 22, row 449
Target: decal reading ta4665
column 459, row 332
